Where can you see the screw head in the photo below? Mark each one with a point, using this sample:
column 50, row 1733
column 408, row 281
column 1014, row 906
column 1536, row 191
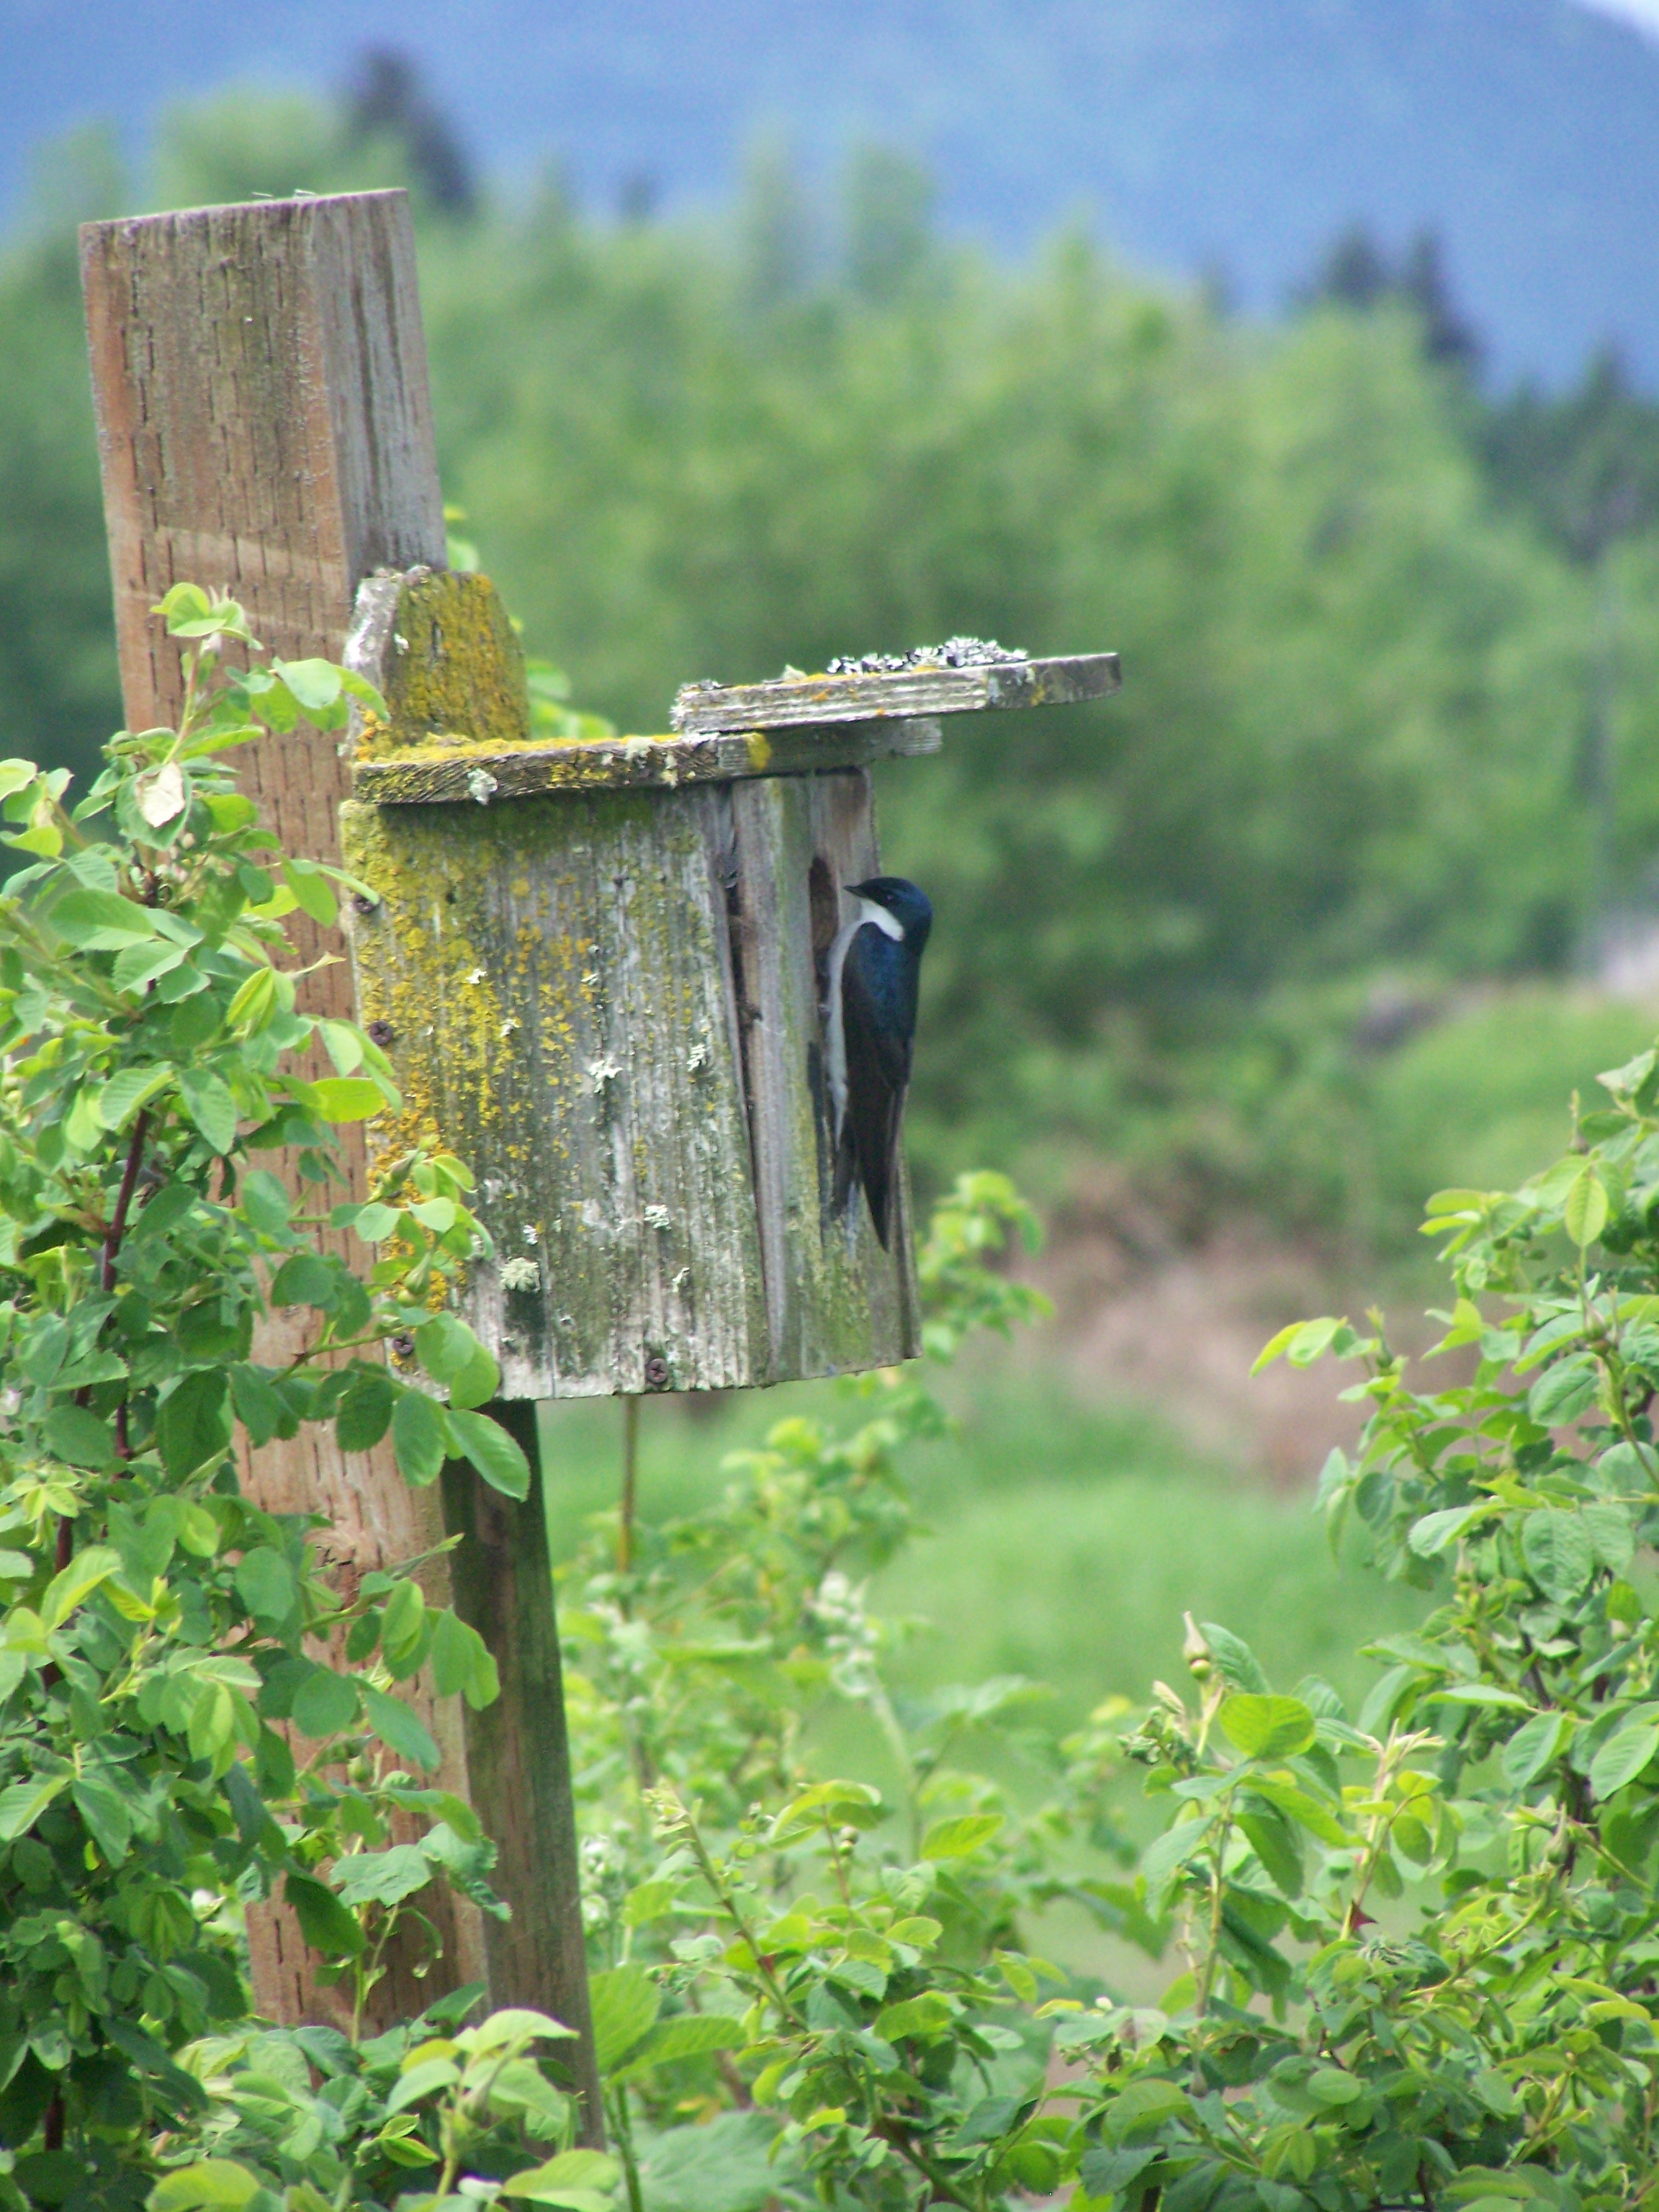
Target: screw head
column 656, row 1372
column 380, row 1031
column 364, row 904
column 404, row 1347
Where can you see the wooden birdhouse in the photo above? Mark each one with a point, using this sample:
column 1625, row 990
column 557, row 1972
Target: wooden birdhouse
column 599, row 969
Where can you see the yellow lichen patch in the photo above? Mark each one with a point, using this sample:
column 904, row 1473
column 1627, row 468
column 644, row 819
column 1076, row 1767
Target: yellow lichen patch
column 452, row 663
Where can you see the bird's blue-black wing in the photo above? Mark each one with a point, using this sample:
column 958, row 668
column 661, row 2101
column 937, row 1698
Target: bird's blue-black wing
column 877, row 996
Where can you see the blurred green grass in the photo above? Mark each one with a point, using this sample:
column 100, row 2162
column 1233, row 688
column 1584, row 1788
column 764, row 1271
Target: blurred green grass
column 1482, row 1100
column 1059, row 1542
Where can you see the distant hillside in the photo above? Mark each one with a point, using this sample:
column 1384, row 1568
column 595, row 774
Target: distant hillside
column 1232, row 138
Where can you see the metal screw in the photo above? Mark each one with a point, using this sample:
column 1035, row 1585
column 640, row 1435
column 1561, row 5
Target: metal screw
column 380, row 1031
column 404, row 1347
column 364, row 904
column 656, row 1372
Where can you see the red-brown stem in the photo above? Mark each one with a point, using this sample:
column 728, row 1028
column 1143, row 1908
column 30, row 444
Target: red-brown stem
column 52, row 2125
column 112, row 1236
column 117, row 1227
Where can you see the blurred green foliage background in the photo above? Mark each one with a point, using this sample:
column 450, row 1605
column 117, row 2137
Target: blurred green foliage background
column 1386, row 743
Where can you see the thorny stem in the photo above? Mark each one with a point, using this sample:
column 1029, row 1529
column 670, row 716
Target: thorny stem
column 734, row 1912
column 1213, row 1948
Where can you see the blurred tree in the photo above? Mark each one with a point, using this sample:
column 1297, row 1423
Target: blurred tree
column 888, row 222
column 1351, row 737
column 57, row 683
column 386, row 98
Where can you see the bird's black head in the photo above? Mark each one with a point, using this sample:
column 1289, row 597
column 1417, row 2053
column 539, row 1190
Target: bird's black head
column 908, row 905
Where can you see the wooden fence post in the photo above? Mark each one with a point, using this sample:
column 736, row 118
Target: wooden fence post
column 265, row 428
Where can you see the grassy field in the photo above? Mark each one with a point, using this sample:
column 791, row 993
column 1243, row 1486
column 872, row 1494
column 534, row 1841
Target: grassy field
column 1060, row 1543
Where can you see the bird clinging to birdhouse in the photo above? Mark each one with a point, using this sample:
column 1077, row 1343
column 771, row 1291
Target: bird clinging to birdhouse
column 870, row 1026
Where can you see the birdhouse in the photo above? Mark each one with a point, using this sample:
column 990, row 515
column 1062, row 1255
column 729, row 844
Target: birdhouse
column 599, row 969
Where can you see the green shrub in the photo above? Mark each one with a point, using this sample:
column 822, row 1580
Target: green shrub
column 158, row 1627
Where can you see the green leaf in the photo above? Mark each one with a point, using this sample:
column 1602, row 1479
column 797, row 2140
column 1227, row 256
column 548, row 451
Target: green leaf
column 461, row 1662
column 476, row 1382
column 1266, row 1727
column 399, row 1726
column 324, row 1705
column 573, row 2181
column 323, row 1920
column 74, row 1434
column 1559, row 1555
column 140, row 965
column 384, row 1877
column 1236, row 1664
column 22, row 1804
column 1623, row 1757
column 1436, row 1532
column 303, row 1279
column 344, row 1045
column 365, row 1412
column 314, row 894
column 420, row 1437
column 1299, row 1806
column 1330, row 2086
column 346, row 1098
column 688, row 2035
column 315, row 685
column 212, row 2184
column 421, row 2079
column 1535, row 1745
column 193, row 1423
column 128, row 1090
column 445, row 1346
column 841, row 1804
column 100, row 921
column 75, row 1583
column 625, row 2003
column 1563, row 1392
column 960, row 1838
column 403, row 1619
column 1584, row 1209
column 104, row 1810
column 496, row 1455
column 258, row 1408
column 209, row 1105
column 1275, row 1842
column 265, row 1584
column 921, row 2017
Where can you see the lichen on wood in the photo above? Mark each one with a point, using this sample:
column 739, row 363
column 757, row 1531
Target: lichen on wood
column 706, row 709
column 446, row 659
column 600, row 987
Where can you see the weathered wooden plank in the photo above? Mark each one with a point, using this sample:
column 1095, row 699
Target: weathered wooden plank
column 835, row 1302
column 707, row 709
column 264, row 426
column 260, row 388
column 519, row 1753
column 459, row 772
column 554, row 982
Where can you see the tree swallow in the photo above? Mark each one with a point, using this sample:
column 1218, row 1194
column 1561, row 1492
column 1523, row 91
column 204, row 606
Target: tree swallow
column 870, row 1023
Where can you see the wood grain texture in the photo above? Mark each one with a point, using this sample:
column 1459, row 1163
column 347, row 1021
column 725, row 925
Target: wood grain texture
column 440, row 775
column 265, row 428
column 705, row 710
column 557, row 986
column 518, row 1754
column 836, row 1302
column 638, row 1088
